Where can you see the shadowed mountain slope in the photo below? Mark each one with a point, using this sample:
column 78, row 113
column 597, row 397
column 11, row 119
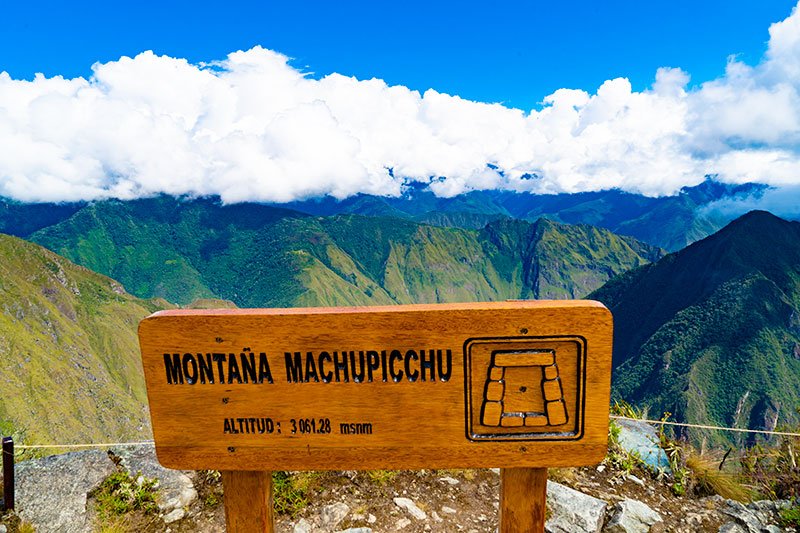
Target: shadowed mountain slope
column 712, row 333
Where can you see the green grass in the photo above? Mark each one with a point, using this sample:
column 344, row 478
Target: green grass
column 68, row 351
column 291, row 490
column 121, row 494
column 790, row 517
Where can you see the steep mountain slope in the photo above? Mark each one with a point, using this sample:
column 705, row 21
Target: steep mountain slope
column 256, row 255
column 70, row 369
column 155, row 246
column 712, row 333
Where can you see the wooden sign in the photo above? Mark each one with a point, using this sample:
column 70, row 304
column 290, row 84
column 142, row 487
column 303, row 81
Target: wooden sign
column 508, row 384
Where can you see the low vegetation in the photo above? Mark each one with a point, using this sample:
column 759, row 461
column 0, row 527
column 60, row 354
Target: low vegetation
column 773, row 467
column 766, row 470
column 121, row 494
column 291, row 490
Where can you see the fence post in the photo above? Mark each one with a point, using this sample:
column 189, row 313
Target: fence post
column 8, row 473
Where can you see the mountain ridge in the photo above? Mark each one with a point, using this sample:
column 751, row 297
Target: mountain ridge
column 258, row 255
column 669, row 222
column 712, row 333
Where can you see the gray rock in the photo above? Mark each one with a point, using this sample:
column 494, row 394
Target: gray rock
column 755, row 517
column 175, row 488
column 356, row 530
column 174, row 516
column 634, row 479
column 402, row 523
column 3, row 529
column 573, row 511
column 632, row 516
column 52, row 492
column 731, row 527
column 694, row 519
column 303, row 526
column 642, row 438
column 411, row 507
column 332, row 514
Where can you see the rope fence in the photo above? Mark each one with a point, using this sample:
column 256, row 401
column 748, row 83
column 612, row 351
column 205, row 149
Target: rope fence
column 22, row 447
column 703, row 426
column 10, row 448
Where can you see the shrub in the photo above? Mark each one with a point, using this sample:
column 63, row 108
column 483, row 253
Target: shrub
column 709, row 479
column 774, row 469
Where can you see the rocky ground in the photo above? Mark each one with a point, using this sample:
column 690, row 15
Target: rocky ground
column 58, row 494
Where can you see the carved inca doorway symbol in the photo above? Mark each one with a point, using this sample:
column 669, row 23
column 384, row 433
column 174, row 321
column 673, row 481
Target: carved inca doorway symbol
column 525, row 388
column 523, row 371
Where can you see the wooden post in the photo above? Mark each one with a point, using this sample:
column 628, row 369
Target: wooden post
column 8, row 473
column 523, row 500
column 248, row 501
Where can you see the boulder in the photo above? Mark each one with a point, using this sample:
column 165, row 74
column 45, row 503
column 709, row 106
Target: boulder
column 731, row 527
column 175, row 488
column 755, row 517
column 642, row 438
column 572, row 511
column 174, row 516
column 51, row 493
column 303, row 526
column 632, row 516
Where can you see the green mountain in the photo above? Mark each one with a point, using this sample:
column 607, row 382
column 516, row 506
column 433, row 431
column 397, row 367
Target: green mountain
column 670, row 222
column 712, row 333
column 256, row 255
column 20, row 220
column 68, row 350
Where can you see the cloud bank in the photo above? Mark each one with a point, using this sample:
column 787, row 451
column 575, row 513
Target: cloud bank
column 252, row 127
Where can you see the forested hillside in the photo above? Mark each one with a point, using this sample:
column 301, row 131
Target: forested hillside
column 712, row 333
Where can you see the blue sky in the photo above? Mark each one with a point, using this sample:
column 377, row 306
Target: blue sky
column 284, row 101
column 510, row 52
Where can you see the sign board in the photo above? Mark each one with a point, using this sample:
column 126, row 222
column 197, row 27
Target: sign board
column 521, row 383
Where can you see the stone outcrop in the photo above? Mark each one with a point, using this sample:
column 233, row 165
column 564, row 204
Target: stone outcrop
column 573, row 511
column 52, row 492
column 175, row 488
column 633, row 516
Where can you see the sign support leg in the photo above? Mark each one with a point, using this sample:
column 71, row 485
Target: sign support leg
column 523, row 500
column 248, row 501
column 8, row 473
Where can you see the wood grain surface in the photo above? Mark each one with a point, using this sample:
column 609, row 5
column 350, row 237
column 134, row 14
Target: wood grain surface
column 523, row 500
column 248, row 501
column 506, row 384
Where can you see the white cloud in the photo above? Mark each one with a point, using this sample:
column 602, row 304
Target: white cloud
column 782, row 201
column 252, row 127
